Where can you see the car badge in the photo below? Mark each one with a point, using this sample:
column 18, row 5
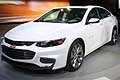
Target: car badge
column 13, row 46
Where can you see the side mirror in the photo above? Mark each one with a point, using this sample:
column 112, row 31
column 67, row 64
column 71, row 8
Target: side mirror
column 94, row 20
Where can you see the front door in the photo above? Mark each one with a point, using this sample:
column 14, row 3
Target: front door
column 93, row 31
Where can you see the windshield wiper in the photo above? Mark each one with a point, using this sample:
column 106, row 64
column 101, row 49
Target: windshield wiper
column 36, row 20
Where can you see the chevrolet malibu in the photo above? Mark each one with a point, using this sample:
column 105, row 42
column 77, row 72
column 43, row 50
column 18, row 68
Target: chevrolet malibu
column 60, row 38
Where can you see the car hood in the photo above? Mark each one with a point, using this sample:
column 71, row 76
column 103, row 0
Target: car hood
column 36, row 31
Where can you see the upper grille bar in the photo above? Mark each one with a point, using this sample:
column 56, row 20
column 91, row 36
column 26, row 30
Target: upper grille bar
column 18, row 43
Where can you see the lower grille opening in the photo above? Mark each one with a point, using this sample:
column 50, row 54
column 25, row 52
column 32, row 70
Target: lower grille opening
column 17, row 53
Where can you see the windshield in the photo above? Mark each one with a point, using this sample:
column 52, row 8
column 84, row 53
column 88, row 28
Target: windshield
column 63, row 15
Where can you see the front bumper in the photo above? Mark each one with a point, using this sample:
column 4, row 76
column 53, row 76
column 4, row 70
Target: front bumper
column 44, row 58
column 25, row 65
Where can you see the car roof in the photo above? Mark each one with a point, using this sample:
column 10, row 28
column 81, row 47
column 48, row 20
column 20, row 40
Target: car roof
column 89, row 6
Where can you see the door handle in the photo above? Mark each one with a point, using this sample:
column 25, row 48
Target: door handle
column 101, row 24
column 110, row 21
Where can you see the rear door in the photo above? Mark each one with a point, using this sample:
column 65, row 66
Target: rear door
column 106, row 21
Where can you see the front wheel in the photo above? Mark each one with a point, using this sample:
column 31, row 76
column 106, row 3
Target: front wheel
column 114, row 37
column 75, row 56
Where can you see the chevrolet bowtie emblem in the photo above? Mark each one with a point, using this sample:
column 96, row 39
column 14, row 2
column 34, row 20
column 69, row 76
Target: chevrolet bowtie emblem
column 13, row 46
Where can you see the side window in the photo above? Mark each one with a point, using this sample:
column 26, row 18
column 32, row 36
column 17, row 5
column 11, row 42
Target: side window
column 103, row 13
column 76, row 14
column 93, row 14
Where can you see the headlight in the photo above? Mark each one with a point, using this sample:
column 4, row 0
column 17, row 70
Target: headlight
column 50, row 43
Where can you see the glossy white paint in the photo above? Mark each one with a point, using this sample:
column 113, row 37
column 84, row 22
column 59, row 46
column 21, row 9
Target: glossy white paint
column 103, row 78
column 94, row 36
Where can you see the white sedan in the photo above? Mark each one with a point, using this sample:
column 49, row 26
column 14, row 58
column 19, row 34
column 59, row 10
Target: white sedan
column 60, row 38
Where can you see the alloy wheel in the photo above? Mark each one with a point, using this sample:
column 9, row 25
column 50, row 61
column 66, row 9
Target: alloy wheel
column 76, row 56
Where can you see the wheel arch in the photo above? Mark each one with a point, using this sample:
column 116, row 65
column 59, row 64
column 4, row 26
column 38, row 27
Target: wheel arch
column 111, row 34
column 83, row 43
column 115, row 27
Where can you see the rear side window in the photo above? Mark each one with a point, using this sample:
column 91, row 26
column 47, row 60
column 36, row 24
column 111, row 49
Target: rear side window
column 103, row 13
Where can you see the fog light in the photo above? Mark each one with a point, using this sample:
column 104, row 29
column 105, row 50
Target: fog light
column 47, row 60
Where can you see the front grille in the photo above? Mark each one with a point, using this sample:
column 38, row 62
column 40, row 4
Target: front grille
column 17, row 53
column 18, row 43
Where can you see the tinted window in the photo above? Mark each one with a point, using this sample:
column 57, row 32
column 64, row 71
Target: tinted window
column 103, row 13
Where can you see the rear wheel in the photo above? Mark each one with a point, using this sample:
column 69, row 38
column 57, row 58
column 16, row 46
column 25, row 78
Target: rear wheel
column 114, row 37
column 75, row 56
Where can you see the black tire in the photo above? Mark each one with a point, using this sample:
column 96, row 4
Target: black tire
column 114, row 37
column 75, row 56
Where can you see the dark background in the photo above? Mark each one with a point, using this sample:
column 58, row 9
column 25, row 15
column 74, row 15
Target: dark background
column 111, row 5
